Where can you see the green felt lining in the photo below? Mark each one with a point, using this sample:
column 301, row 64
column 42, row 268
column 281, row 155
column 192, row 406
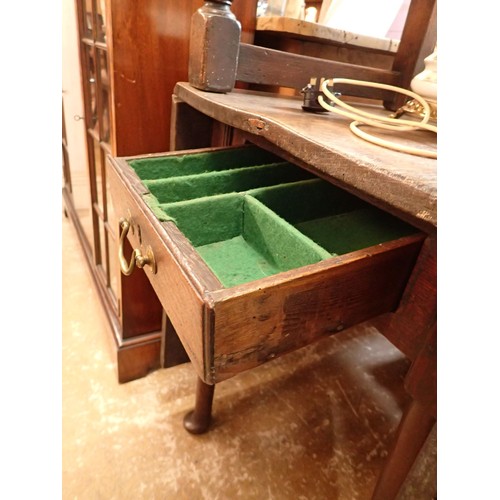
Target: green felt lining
column 350, row 231
column 241, row 239
column 208, row 220
column 227, row 181
column 164, row 167
column 277, row 240
column 155, row 207
column 249, row 219
column 220, row 257
column 333, row 218
column 309, row 199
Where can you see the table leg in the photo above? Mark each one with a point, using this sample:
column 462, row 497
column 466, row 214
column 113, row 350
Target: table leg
column 415, row 322
column 198, row 420
column 414, row 429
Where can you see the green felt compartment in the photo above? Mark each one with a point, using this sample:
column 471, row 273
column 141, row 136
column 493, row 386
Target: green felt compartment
column 212, row 183
column 305, row 200
column 164, row 167
column 277, row 240
column 249, row 266
column 350, row 231
column 242, row 240
column 208, row 220
column 334, row 219
column 249, row 219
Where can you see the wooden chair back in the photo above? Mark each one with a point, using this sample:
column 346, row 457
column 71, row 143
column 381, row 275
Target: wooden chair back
column 265, row 66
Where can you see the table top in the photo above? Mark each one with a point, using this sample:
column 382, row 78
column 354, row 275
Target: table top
column 325, row 34
column 402, row 183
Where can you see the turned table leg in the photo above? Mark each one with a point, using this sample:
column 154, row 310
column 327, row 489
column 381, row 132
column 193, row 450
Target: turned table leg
column 415, row 427
column 417, row 422
column 198, row 420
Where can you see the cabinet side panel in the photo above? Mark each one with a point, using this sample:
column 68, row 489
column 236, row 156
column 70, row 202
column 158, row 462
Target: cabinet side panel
column 149, row 54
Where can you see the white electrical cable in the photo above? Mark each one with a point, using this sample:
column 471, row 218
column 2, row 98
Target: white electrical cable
column 364, row 118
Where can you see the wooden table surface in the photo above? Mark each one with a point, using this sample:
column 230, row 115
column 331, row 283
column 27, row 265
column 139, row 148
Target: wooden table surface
column 404, row 184
column 324, row 34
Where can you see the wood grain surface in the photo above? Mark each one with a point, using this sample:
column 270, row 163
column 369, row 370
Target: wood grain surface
column 149, row 52
column 259, row 321
column 179, row 297
column 403, row 184
column 259, row 65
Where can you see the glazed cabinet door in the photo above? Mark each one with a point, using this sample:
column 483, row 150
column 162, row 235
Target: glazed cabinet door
column 76, row 174
column 94, row 55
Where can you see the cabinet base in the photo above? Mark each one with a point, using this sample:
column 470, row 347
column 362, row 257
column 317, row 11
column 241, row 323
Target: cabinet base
column 138, row 358
column 135, row 357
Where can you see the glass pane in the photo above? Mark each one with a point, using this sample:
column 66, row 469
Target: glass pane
column 114, row 271
column 104, row 95
column 111, row 215
column 98, row 175
column 77, row 180
column 101, row 20
column 103, row 254
column 106, row 127
column 88, row 23
column 91, row 89
column 80, row 191
column 66, row 170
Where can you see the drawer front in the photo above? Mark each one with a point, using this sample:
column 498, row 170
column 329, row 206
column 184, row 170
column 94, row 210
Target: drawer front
column 256, row 261
column 257, row 324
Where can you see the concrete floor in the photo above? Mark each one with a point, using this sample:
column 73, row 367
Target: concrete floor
column 315, row 424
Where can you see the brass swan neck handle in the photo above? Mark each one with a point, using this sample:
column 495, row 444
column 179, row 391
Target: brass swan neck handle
column 137, row 259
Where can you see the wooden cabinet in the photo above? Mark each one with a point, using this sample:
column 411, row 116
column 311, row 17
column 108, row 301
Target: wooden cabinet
column 131, row 55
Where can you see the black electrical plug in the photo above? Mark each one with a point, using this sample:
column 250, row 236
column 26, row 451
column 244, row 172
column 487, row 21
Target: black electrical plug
column 311, row 92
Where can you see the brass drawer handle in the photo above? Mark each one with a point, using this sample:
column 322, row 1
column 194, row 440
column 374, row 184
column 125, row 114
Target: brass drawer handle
column 137, row 258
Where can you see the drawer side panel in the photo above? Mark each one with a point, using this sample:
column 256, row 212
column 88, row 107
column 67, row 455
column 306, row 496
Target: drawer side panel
column 181, row 300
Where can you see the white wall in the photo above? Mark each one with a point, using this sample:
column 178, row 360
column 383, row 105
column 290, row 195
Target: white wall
column 71, row 86
column 365, row 17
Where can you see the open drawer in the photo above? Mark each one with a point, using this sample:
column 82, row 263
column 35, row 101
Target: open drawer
column 253, row 256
